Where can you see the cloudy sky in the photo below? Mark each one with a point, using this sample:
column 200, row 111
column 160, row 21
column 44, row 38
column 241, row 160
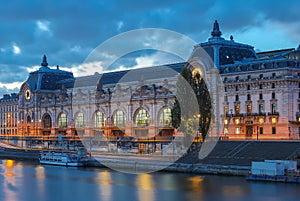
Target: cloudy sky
column 67, row 31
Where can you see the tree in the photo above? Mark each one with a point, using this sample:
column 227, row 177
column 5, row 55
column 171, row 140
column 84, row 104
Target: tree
column 203, row 106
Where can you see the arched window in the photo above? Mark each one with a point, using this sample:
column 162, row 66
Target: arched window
column 62, row 120
column 99, row 119
column 47, row 121
column 141, row 117
column 119, row 118
column 165, row 118
column 79, row 120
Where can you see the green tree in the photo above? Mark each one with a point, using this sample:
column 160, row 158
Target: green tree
column 203, row 108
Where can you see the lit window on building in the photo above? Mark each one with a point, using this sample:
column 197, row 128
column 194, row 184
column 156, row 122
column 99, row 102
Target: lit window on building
column 142, row 117
column 274, row 120
column 119, row 118
column 79, row 120
column 99, row 119
column 62, row 120
column 298, row 119
column 237, row 109
column 226, row 109
column 165, row 118
column 261, row 120
column 237, row 130
column 225, row 131
column 249, row 108
column 237, row 121
column 225, row 121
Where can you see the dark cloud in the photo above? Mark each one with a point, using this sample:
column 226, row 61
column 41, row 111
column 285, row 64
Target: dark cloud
column 76, row 27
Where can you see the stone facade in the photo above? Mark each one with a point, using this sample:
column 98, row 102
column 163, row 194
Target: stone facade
column 260, row 97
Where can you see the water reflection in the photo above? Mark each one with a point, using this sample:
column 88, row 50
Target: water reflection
column 27, row 181
column 9, row 184
column 145, row 187
column 105, row 185
column 196, row 183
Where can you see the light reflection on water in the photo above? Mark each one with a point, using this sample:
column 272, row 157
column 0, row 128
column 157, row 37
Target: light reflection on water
column 30, row 181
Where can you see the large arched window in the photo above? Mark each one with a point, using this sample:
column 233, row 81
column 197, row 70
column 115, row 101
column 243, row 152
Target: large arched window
column 99, row 119
column 119, row 118
column 79, row 120
column 141, row 117
column 47, row 121
column 165, row 118
column 62, row 120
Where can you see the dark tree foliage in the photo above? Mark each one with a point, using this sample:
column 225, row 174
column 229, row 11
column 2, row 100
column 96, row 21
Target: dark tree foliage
column 203, row 98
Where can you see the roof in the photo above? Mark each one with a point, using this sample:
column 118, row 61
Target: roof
column 112, row 78
column 274, row 53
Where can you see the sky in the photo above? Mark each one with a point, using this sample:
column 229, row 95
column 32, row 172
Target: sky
column 67, row 31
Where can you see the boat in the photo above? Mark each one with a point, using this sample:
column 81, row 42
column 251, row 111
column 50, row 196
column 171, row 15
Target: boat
column 275, row 171
column 62, row 159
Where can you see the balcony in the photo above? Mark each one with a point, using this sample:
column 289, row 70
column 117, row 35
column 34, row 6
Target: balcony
column 256, row 114
column 273, row 113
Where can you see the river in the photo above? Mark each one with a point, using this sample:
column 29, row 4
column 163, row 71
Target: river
column 27, row 180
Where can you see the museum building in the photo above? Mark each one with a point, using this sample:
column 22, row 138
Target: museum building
column 261, row 97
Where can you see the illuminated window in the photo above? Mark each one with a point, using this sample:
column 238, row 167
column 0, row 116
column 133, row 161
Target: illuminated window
column 225, row 121
column 237, row 130
column 249, row 109
column 62, row 120
column 165, row 118
column 237, row 109
column 299, row 119
column 119, row 118
column 261, row 120
column 142, row 117
column 274, row 120
column 226, row 109
column 237, row 121
column 99, row 119
column 225, row 131
column 79, row 120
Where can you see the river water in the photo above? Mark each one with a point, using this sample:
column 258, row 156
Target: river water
column 24, row 180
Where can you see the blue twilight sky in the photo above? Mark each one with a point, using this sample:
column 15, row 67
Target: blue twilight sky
column 67, row 31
